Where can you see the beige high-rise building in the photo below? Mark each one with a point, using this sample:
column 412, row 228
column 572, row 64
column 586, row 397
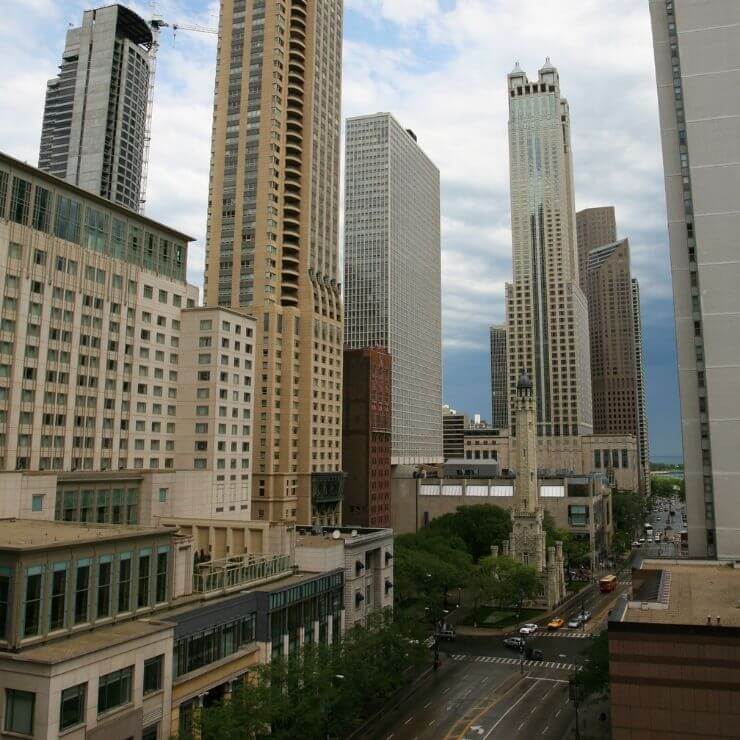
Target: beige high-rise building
column 112, row 381
column 547, row 315
column 617, row 372
column 595, row 227
column 272, row 240
column 697, row 62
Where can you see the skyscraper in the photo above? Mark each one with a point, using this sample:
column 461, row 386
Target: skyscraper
column 392, row 274
column 95, row 117
column 698, row 75
column 617, row 376
column 595, row 227
column 499, row 379
column 547, row 315
column 272, row 243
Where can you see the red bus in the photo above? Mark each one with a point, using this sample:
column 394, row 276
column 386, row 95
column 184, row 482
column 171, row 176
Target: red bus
column 607, row 583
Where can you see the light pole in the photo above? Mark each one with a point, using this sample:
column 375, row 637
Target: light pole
column 327, row 714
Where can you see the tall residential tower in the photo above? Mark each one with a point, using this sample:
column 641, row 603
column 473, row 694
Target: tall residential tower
column 697, row 65
column 392, row 274
column 95, row 118
column 547, row 315
column 272, row 240
column 595, row 227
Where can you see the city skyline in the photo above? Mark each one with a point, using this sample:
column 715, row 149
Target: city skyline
column 617, row 133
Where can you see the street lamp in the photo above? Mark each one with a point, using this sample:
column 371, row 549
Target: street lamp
column 327, row 715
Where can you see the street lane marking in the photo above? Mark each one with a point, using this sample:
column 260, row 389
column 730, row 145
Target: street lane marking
column 428, row 704
column 408, row 720
column 550, row 665
column 446, row 690
column 432, row 722
column 519, row 729
column 557, row 714
column 506, row 713
column 547, row 727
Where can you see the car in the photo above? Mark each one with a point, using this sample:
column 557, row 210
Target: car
column 635, row 544
column 514, row 642
column 585, row 615
column 446, row 633
column 574, row 623
column 642, row 540
column 555, row 624
column 528, row 629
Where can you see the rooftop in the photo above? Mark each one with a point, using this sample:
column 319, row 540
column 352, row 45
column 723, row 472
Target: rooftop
column 32, row 534
column 696, row 590
column 57, row 651
column 350, row 535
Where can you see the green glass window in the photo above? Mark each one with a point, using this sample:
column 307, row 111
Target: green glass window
column 68, row 218
column 117, row 506
column 104, row 586
column 161, row 580
column 3, row 192
column 42, row 209
column 19, row 706
column 20, row 200
column 82, row 592
column 143, row 591
column 153, row 674
column 58, row 593
column 96, row 230
column 86, row 505
column 32, row 605
column 103, row 511
column 4, row 601
column 132, row 506
column 72, row 706
column 118, row 238
column 114, row 689
column 124, row 582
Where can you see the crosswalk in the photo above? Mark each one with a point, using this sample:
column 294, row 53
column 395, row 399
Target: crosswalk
column 558, row 633
column 554, row 665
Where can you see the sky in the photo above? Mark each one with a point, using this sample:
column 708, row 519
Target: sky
column 440, row 67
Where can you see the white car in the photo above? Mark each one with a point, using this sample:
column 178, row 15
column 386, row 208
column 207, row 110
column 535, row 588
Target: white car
column 528, row 629
column 574, row 623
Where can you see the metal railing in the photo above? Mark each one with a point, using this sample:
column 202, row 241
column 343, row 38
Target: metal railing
column 238, row 571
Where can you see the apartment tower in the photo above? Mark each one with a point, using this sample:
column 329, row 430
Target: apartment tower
column 392, row 274
column 272, row 240
column 499, row 379
column 94, row 132
column 547, row 315
column 698, row 75
column 617, row 368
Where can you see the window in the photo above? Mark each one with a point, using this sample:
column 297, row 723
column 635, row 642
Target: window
column 82, row 588
column 37, row 502
column 144, row 568
column 114, row 689
column 163, row 495
column 72, row 707
column 153, row 674
column 104, row 574
column 19, row 707
column 161, row 581
column 57, row 611
column 67, row 222
column 4, row 601
column 124, row 582
column 20, row 201
column 148, row 291
column 32, row 612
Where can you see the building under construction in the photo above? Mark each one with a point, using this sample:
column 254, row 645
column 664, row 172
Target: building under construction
column 95, row 127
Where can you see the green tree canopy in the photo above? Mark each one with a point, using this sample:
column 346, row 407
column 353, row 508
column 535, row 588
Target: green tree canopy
column 479, row 527
column 507, row 581
column 630, row 511
column 665, row 487
column 594, row 677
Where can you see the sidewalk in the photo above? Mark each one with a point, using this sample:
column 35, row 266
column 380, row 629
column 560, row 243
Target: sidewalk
column 480, row 631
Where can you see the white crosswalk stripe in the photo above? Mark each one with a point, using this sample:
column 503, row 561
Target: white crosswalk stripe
column 577, row 634
column 553, row 665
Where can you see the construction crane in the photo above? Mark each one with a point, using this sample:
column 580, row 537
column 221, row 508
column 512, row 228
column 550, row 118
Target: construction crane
column 157, row 23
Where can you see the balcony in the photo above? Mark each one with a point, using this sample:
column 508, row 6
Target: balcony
column 227, row 574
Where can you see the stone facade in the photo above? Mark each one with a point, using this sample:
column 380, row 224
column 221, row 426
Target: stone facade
column 527, row 543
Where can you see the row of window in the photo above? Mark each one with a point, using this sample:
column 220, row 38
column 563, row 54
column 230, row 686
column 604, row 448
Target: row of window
column 64, row 594
column 114, row 691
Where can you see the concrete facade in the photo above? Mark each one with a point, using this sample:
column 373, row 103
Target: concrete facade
column 392, row 274
column 697, row 67
column 95, row 118
column 546, row 310
column 106, row 365
column 595, row 227
column 272, row 243
column 366, row 437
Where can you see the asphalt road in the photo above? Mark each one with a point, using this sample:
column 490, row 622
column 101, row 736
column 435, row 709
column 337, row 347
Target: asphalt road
column 660, row 520
column 482, row 690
